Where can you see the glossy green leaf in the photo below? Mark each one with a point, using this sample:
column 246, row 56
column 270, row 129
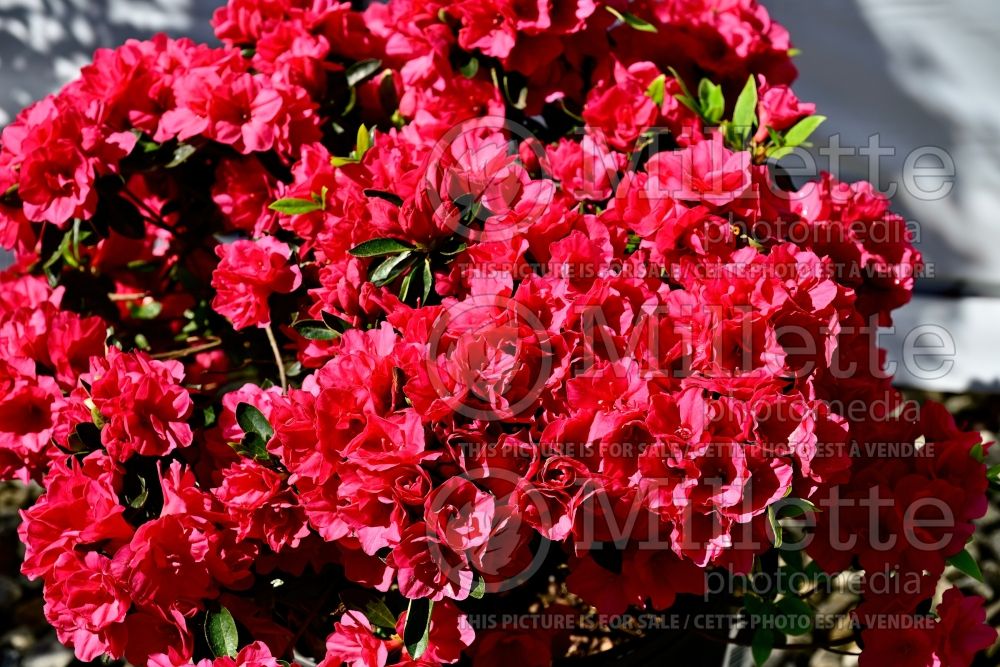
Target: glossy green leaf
column 371, row 605
column 382, row 194
column 993, row 473
column 778, row 152
column 798, row 613
column 363, row 143
column 632, row 20
column 802, row 130
column 392, row 268
column 181, row 155
column 772, row 519
column 711, row 101
column 965, row 563
column 471, row 68
column 745, row 112
column 428, row 279
column 656, row 90
column 478, row 588
column 794, row 507
column 417, row 630
column 148, row 310
column 404, row 287
column 221, row 633
column 361, row 70
column 294, row 206
column 761, row 646
column 334, row 322
column 379, row 247
column 977, row 452
column 252, row 420
column 315, row 330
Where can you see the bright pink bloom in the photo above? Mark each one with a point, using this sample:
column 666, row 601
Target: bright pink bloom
column 353, row 643
column 249, row 273
column 142, row 402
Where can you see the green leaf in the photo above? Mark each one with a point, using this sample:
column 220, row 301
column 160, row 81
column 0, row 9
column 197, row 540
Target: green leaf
column 756, row 606
column 379, row 247
column 181, row 155
column 140, row 498
column 87, row 435
column 632, row 20
column 428, row 280
column 685, row 97
column 208, row 416
column 776, row 138
column 761, row 646
column 404, row 288
column 364, row 142
column 334, row 322
column 418, row 627
column 745, row 113
column 798, row 613
column 97, row 417
column 254, row 447
column 387, row 96
column 221, row 633
column 775, row 526
column 149, row 310
column 965, row 563
column 634, row 241
column 293, row 206
column 341, row 161
column 801, row 131
column 371, row 605
column 680, row 82
column 392, row 268
column 479, row 588
column 382, row 194
column 656, row 90
column 778, row 152
column 793, row 507
column 379, row 615
column 993, row 474
column 315, row 330
column 711, row 101
column 518, row 101
column 452, row 252
column 793, row 559
column 361, row 70
column 252, row 420
column 977, row 452
column 471, row 68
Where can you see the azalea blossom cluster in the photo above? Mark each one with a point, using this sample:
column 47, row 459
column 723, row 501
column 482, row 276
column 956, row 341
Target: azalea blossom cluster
column 323, row 340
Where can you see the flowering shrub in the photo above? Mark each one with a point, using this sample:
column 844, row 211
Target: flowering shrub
column 331, row 341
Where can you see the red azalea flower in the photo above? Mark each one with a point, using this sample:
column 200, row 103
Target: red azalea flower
column 250, row 271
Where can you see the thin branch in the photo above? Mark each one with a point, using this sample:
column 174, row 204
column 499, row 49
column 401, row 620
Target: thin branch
column 194, row 349
column 152, row 216
column 277, row 357
column 137, row 296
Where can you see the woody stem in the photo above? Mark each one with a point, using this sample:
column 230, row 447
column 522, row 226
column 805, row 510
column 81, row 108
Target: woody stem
column 277, row 357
